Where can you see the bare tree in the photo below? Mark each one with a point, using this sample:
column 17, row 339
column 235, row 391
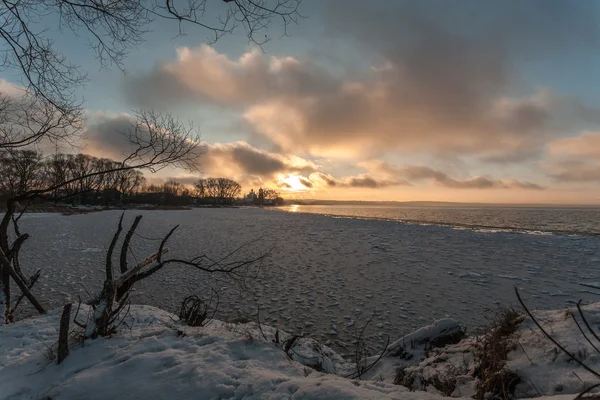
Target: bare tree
column 116, row 289
column 113, row 28
column 128, row 182
column 26, row 120
column 229, row 190
column 21, row 170
column 157, row 141
column 270, row 194
column 200, row 188
column 56, row 170
column 217, row 190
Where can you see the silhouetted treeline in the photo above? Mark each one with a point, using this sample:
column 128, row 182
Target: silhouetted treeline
column 217, row 191
column 23, row 171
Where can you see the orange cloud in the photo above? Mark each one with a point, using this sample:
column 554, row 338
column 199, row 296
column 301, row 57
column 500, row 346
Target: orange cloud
column 587, row 144
column 402, row 107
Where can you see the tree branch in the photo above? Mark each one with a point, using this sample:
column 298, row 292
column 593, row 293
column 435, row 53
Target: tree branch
column 125, row 247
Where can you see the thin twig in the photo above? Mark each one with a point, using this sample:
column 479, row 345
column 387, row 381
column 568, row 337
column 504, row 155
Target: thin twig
column 585, row 321
column 258, row 321
column 560, row 346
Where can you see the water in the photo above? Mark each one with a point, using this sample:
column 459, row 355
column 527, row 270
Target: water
column 584, row 221
column 326, row 276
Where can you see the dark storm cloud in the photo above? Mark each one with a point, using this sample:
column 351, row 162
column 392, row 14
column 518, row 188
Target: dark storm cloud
column 369, row 182
column 106, row 136
column 360, row 181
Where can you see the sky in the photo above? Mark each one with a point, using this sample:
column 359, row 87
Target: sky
column 464, row 101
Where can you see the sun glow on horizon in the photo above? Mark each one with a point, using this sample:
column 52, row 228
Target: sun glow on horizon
column 292, row 183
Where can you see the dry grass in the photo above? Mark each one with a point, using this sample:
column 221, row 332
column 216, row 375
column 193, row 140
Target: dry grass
column 194, row 311
column 495, row 379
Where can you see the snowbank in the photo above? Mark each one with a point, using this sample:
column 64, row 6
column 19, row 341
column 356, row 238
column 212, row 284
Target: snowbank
column 542, row 369
column 542, row 366
column 160, row 358
column 156, row 357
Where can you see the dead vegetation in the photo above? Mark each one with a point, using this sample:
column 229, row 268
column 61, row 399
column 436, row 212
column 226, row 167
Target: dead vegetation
column 495, row 379
column 488, row 351
column 196, row 311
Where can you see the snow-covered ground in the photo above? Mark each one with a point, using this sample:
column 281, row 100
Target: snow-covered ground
column 542, row 368
column 158, row 358
column 155, row 356
column 326, row 276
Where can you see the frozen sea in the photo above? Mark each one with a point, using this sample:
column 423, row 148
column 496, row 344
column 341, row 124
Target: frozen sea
column 327, row 275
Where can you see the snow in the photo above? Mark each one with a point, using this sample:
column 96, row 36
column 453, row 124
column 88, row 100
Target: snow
column 154, row 356
column 159, row 358
column 544, row 369
column 552, row 371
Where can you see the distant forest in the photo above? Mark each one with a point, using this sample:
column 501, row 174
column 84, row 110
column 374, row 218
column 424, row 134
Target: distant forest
column 88, row 183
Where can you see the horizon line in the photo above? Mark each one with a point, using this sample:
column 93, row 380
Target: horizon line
column 291, row 201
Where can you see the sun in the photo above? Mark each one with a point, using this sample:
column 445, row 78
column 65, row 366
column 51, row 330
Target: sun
column 292, row 183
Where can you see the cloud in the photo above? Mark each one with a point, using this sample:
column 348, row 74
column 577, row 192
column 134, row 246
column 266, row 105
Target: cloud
column 106, row 135
column 305, row 181
column 419, row 173
column 320, row 180
column 203, row 75
column 323, row 179
column 574, row 159
column 240, row 158
column 367, row 181
column 571, row 170
column 440, row 83
column 587, row 144
column 255, row 167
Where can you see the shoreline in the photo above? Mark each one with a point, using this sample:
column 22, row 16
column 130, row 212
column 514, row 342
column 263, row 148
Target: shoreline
column 483, row 228
column 436, row 204
column 457, row 226
column 78, row 210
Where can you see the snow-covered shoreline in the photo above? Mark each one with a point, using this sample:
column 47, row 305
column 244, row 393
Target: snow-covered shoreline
column 157, row 357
